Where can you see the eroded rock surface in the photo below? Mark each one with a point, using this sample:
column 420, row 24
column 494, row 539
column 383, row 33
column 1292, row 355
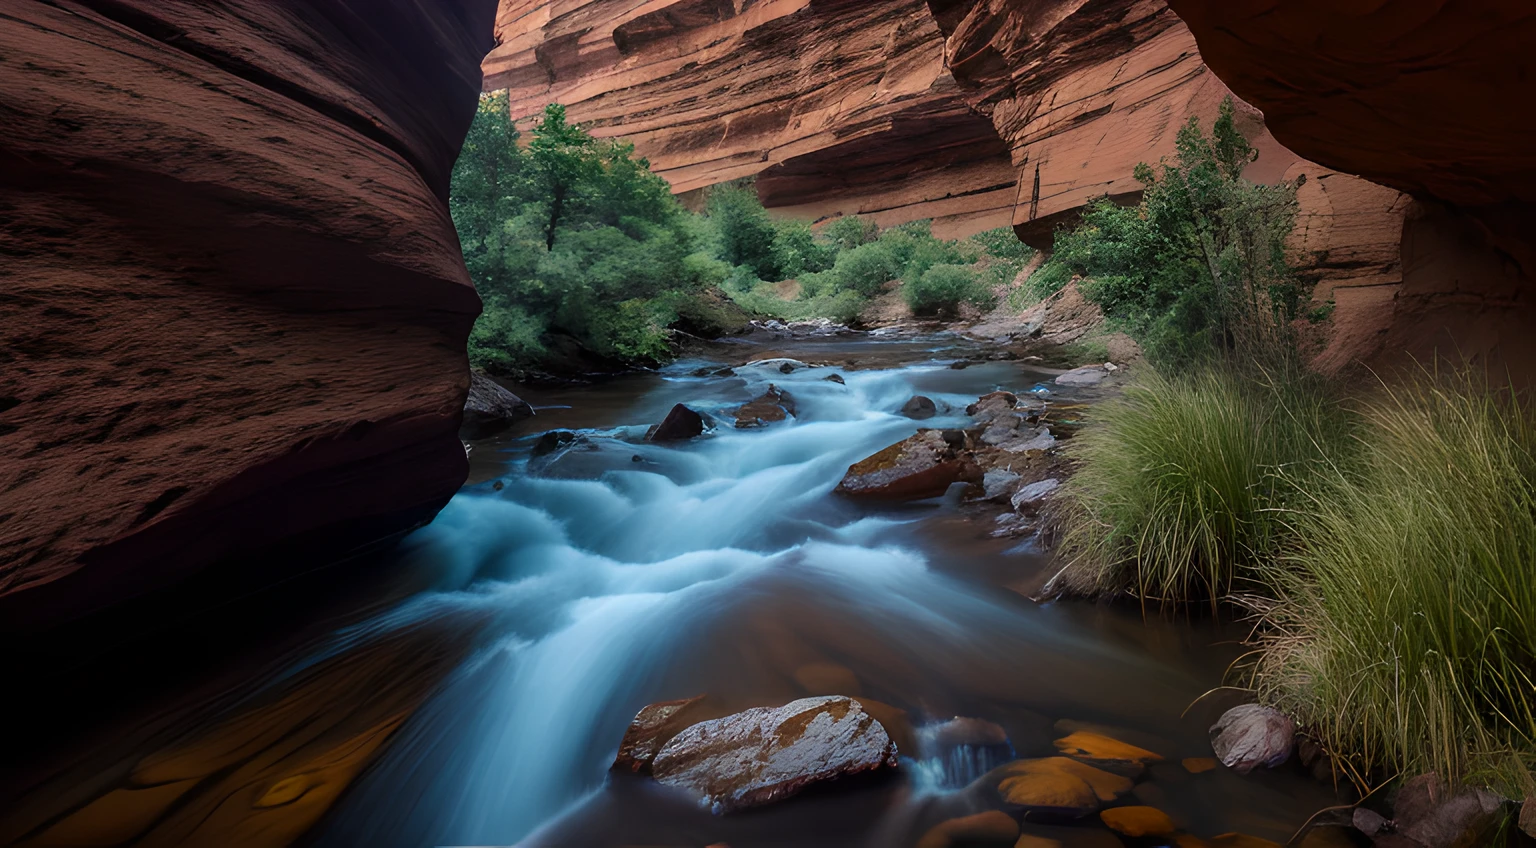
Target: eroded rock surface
column 235, row 307
column 771, row 406
column 768, row 753
column 653, row 727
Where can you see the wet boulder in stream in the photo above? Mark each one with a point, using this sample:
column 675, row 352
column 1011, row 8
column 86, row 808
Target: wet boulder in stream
column 923, row 466
column 1250, row 735
column 680, row 424
column 652, row 728
column 765, row 754
column 919, row 408
column 773, row 405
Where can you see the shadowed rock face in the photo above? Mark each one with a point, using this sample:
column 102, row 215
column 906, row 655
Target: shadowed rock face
column 235, row 308
column 1421, row 96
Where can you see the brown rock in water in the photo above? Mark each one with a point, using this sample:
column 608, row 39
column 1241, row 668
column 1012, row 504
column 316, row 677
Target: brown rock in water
column 1240, row 840
column 235, row 309
column 1198, row 765
column 990, row 828
column 1138, row 822
column 490, row 408
column 1057, row 786
column 1094, row 747
column 773, row 405
column 919, row 407
column 1250, row 735
column 680, row 424
column 994, row 405
column 1431, row 814
column 923, row 466
column 653, row 727
column 767, row 753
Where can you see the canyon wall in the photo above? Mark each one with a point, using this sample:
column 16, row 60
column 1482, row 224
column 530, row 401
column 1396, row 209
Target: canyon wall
column 976, row 113
column 234, row 306
column 1430, row 97
column 839, row 106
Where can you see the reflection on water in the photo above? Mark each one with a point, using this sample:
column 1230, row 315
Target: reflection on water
column 625, row 573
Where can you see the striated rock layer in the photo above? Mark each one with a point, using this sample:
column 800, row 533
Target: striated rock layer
column 234, row 304
column 1430, row 97
column 840, row 106
column 976, row 114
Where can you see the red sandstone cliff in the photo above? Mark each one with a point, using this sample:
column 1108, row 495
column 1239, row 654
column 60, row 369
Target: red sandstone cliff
column 837, row 105
column 234, row 306
column 977, row 113
column 1431, row 97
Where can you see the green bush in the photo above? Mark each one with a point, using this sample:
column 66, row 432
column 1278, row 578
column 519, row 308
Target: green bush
column 746, row 233
column 849, row 231
column 1198, row 268
column 1406, row 638
column 942, row 288
column 1185, row 487
column 864, row 269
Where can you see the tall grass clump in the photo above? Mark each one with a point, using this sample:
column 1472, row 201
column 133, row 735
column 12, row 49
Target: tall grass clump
column 1186, row 485
column 1406, row 632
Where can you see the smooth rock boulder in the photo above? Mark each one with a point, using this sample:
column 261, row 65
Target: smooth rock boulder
column 653, row 727
column 923, row 466
column 765, row 754
column 490, row 408
column 919, row 408
column 680, row 424
column 1088, row 375
column 1249, row 736
column 771, row 406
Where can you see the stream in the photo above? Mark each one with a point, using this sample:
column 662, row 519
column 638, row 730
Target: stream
column 552, row 602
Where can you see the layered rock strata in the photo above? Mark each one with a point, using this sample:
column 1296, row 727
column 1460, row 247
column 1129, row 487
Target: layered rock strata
column 838, row 106
column 234, row 304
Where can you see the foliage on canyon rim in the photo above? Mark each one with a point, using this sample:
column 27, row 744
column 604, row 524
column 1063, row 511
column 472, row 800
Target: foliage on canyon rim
column 1198, row 268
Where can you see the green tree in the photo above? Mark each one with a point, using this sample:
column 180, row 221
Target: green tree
column 1198, row 267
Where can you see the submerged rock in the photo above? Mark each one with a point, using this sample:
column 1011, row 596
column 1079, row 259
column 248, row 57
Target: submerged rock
column 1057, row 786
column 773, row 405
column 993, row 827
column 919, row 408
column 490, row 408
column 1088, row 375
column 1250, row 735
column 923, row 466
column 1098, row 748
column 654, row 726
column 835, row 378
column 1138, row 822
column 767, row 753
column 680, row 424
column 552, row 441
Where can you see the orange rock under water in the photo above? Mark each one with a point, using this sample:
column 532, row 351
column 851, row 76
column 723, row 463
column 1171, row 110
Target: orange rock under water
column 1198, row 765
column 1138, row 822
column 989, row 827
column 1058, row 785
column 1087, row 745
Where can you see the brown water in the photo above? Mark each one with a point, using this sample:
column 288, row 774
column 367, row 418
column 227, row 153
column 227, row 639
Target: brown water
column 476, row 694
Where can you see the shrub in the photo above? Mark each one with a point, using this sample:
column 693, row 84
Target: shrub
column 1198, row 268
column 797, row 251
column 864, row 269
column 1407, row 632
column 942, row 288
column 849, row 231
column 746, row 234
column 1003, row 243
column 1185, row 486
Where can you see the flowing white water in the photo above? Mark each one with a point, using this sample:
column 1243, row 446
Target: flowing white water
column 719, row 565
